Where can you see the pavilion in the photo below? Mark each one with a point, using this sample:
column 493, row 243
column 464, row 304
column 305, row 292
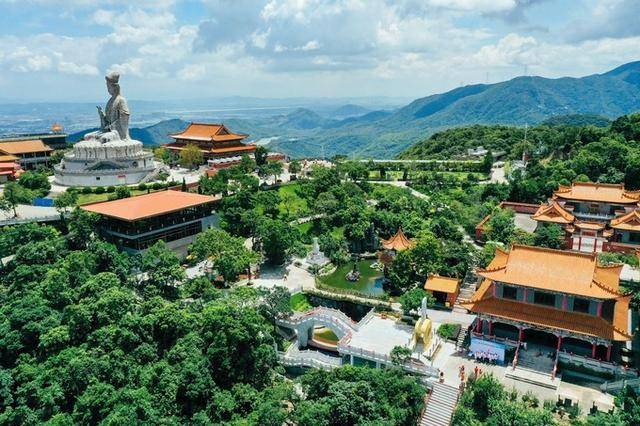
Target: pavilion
column 563, row 301
column 595, row 216
column 397, row 243
column 136, row 223
column 444, row 289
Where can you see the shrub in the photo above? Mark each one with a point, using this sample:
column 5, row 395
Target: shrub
column 448, row 331
column 111, row 189
column 156, row 186
column 87, row 190
column 142, row 187
column 99, row 190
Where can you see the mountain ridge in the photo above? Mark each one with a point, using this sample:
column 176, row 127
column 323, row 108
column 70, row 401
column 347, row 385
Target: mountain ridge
column 385, row 134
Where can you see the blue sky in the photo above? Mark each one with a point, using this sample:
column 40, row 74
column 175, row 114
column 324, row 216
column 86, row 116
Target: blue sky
column 167, row 49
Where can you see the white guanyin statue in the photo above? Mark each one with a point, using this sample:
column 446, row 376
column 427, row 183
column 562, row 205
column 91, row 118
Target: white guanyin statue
column 108, row 156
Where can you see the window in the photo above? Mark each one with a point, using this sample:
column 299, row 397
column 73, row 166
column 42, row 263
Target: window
column 509, row 292
column 581, row 305
column 542, row 298
column 634, row 237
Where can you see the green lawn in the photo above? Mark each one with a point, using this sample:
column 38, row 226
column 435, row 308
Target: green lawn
column 297, row 206
column 365, row 284
column 300, row 303
column 326, row 334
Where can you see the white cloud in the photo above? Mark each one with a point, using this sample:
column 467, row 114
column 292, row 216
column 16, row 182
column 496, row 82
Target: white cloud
column 483, row 6
column 192, row 72
column 511, row 50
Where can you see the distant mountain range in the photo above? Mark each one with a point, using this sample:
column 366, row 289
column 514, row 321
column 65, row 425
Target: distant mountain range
column 353, row 130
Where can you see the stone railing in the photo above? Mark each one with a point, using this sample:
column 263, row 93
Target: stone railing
column 596, row 365
column 611, row 387
column 410, row 365
column 311, row 359
column 322, row 314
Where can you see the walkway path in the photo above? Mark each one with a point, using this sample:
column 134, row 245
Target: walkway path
column 295, row 357
column 27, row 213
column 441, row 402
column 402, row 184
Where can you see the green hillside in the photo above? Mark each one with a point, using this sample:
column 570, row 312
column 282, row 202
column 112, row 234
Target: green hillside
column 384, row 134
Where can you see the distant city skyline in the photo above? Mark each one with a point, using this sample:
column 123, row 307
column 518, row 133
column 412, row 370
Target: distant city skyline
column 54, row 50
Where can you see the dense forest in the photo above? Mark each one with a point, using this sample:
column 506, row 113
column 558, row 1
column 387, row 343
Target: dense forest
column 557, row 154
column 89, row 335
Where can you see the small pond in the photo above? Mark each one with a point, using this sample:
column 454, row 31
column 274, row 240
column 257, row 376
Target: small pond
column 370, row 281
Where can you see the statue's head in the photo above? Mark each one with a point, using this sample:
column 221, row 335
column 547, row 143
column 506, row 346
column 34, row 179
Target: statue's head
column 113, row 85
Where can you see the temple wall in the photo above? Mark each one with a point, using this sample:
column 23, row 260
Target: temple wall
column 91, row 179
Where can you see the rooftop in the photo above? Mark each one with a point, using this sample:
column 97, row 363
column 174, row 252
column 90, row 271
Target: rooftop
column 208, row 132
column 484, row 302
column 24, row 147
column 628, row 222
column 148, row 205
column 600, row 192
column 555, row 270
column 553, row 213
column 442, row 284
column 398, row 242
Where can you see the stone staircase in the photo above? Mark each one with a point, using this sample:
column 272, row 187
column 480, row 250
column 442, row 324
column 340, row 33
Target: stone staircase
column 536, row 370
column 464, row 332
column 440, row 405
column 467, row 288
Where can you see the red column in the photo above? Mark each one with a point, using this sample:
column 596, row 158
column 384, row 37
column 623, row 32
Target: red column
column 479, row 326
column 524, row 295
column 579, row 242
column 593, row 350
column 599, row 309
column 521, row 335
column 564, row 302
column 490, row 328
column 559, row 342
column 609, row 353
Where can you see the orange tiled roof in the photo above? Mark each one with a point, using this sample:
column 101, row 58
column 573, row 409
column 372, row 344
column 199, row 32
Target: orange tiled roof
column 24, row 147
column 8, row 158
column 398, row 242
column 555, row 270
column 629, row 221
column 443, row 284
column 589, row 325
column 553, row 213
column 148, row 205
column 592, row 226
column 599, row 192
column 205, row 132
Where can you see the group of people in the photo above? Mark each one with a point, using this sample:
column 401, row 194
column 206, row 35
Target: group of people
column 488, row 357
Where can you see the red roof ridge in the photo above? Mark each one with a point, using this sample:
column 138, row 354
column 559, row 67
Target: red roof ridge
column 598, row 184
column 556, row 251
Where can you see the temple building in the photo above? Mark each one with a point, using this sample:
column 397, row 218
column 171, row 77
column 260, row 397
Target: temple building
column 444, row 289
column 564, row 304
column 595, row 216
column 28, row 153
column 219, row 146
column 9, row 171
column 136, row 223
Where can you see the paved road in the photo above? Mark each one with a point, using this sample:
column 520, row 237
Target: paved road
column 28, row 213
column 402, row 184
